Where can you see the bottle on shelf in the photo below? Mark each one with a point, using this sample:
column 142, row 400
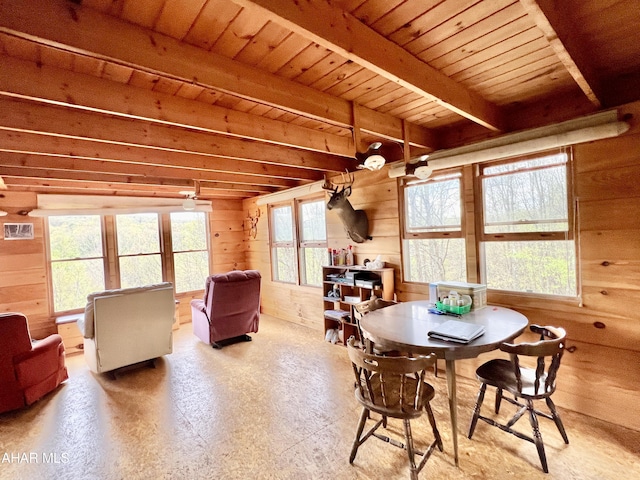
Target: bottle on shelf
column 350, row 259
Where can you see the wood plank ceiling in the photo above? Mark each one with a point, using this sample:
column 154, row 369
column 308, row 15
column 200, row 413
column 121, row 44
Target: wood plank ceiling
column 248, row 97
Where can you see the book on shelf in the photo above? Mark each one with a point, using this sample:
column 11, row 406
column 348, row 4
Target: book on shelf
column 456, row 331
column 336, row 314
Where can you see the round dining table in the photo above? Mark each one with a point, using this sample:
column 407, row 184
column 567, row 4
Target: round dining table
column 405, row 327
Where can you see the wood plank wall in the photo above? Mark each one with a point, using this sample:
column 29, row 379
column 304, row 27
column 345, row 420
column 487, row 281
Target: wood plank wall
column 600, row 375
column 23, row 266
column 303, row 305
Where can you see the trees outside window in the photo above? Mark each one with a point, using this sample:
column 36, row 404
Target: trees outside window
column 190, row 250
column 313, row 241
column 77, row 259
column 283, row 258
column 80, row 263
column 527, row 242
column 139, row 257
column 433, row 244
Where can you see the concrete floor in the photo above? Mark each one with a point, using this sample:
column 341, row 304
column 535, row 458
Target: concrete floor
column 279, row 407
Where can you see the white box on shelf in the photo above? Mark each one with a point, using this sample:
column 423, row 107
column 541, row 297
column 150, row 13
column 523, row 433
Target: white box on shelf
column 352, row 299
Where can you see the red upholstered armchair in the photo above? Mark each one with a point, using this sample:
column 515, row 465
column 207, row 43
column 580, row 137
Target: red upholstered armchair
column 230, row 308
column 27, row 371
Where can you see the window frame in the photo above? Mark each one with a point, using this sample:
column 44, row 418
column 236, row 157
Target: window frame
column 483, row 238
column 523, row 236
column 171, row 252
column 274, row 244
column 160, row 252
column 303, row 244
column 111, row 257
column 297, row 243
column 50, row 261
column 443, row 234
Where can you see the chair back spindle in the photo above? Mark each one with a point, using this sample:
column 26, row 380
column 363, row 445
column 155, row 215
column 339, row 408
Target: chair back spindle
column 547, row 352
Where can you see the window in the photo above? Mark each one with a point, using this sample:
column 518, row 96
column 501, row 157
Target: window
column 526, row 235
column 77, row 259
column 283, row 258
column 190, row 250
column 298, row 254
column 313, row 241
column 139, row 256
column 80, row 263
column 433, row 243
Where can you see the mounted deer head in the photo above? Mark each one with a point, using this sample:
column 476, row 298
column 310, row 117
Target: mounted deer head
column 355, row 222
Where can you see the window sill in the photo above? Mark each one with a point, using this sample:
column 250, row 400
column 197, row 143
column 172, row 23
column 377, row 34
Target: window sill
column 530, row 299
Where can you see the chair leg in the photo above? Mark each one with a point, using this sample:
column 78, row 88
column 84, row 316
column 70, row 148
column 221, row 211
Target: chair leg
column 556, row 418
column 537, row 436
column 476, row 410
column 432, row 421
column 410, row 451
column 498, row 399
column 356, row 442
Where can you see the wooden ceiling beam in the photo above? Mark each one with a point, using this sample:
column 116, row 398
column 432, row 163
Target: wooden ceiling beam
column 262, row 158
column 26, row 79
column 90, row 167
column 74, row 187
column 73, row 28
column 341, row 32
column 554, row 20
column 30, row 176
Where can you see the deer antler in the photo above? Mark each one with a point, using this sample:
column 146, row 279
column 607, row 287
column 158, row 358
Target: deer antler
column 333, row 185
column 348, row 181
column 327, row 185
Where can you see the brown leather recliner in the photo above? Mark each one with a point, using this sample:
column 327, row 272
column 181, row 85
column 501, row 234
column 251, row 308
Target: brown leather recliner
column 28, row 371
column 230, row 308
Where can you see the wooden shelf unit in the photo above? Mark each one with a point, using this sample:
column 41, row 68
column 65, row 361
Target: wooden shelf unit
column 357, row 289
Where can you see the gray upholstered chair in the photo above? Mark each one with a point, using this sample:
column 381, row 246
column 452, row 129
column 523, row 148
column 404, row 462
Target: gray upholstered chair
column 126, row 326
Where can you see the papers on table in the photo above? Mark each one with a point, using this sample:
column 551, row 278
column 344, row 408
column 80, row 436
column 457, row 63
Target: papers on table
column 456, row 331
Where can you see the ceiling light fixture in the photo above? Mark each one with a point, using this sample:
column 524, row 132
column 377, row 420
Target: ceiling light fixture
column 374, row 160
column 3, row 186
column 2, row 213
column 418, row 167
column 422, row 168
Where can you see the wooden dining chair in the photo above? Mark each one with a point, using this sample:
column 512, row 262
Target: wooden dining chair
column 393, row 387
column 375, row 303
column 363, row 308
column 527, row 384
